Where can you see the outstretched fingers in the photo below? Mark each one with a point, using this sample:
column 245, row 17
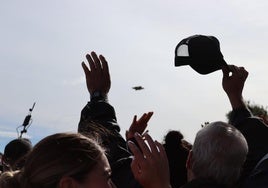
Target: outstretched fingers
column 136, row 151
column 144, row 147
column 162, row 152
column 96, row 61
column 97, row 74
column 105, row 67
column 152, row 144
column 91, row 62
column 133, row 121
column 138, row 125
column 138, row 159
column 150, row 164
column 145, row 118
column 85, row 68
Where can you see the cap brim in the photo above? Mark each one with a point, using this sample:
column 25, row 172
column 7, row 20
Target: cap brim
column 182, row 60
column 207, row 67
column 201, row 66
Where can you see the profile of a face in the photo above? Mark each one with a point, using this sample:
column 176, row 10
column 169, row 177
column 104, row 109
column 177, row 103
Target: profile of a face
column 99, row 177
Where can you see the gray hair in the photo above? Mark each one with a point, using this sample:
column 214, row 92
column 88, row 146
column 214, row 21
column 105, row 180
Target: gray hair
column 219, row 151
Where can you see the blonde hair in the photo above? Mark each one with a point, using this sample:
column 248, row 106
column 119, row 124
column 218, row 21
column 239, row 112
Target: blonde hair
column 54, row 157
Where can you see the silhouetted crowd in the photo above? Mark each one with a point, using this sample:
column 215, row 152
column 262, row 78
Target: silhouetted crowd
column 223, row 155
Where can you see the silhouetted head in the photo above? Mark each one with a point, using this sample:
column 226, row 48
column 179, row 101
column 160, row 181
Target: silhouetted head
column 173, row 137
column 14, row 153
column 177, row 156
column 218, row 153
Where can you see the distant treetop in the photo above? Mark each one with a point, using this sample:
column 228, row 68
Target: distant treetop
column 256, row 110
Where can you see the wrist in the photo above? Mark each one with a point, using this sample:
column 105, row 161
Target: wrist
column 98, row 95
column 237, row 101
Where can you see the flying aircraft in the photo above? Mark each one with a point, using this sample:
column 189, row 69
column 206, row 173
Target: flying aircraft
column 138, row 88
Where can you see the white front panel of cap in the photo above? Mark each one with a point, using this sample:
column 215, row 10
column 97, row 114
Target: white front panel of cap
column 183, row 50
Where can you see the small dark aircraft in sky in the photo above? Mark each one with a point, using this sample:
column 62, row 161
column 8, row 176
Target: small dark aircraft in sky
column 138, row 88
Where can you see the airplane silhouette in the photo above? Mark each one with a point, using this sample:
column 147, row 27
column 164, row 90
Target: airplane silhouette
column 138, row 88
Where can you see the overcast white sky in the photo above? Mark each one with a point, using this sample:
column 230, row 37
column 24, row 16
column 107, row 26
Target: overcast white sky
column 42, row 44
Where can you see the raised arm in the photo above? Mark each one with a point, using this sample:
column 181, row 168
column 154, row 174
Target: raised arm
column 98, row 83
column 233, row 83
column 99, row 111
column 253, row 129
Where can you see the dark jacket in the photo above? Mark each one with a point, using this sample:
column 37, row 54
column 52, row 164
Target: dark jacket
column 258, row 177
column 256, row 134
column 98, row 110
column 203, row 183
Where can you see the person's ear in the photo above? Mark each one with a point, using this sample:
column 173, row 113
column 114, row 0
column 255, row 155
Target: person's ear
column 189, row 160
column 67, row 182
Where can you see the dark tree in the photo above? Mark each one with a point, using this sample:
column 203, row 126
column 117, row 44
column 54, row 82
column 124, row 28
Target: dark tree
column 256, row 110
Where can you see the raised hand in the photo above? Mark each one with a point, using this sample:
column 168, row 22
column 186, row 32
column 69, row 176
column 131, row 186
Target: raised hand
column 139, row 125
column 150, row 164
column 98, row 76
column 233, row 83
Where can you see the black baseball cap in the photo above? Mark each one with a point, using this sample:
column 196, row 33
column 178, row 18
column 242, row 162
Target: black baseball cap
column 201, row 52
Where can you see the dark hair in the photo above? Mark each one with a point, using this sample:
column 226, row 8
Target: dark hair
column 96, row 130
column 177, row 155
column 1, row 166
column 15, row 151
column 173, row 137
column 107, row 136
